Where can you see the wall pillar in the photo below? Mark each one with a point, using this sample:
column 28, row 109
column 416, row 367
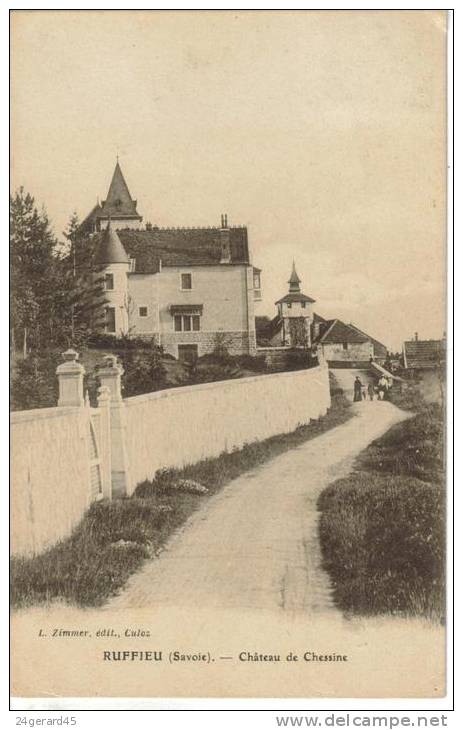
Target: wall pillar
column 71, row 380
column 110, row 377
column 104, row 405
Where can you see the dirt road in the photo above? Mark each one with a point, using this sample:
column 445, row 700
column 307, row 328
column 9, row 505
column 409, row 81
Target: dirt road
column 255, row 544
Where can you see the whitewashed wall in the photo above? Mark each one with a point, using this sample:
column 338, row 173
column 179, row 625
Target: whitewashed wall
column 180, row 426
column 49, row 476
column 50, row 458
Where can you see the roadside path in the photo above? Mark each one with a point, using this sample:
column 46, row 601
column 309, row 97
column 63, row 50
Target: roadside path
column 255, row 544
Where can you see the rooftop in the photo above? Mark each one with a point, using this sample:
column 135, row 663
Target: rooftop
column 158, row 247
column 109, row 249
column 119, row 202
column 423, row 353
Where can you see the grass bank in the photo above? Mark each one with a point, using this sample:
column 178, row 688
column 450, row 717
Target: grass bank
column 382, row 529
column 115, row 538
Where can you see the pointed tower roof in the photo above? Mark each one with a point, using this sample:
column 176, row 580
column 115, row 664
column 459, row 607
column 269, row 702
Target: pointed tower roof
column 119, row 202
column 110, row 249
column 295, row 294
column 294, row 281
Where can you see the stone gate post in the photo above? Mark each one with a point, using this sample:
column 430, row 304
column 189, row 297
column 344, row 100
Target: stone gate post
column 110, row 377
column 104, row 406
column 71, row 380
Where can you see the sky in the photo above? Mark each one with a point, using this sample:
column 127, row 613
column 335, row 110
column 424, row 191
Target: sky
column 322, row 132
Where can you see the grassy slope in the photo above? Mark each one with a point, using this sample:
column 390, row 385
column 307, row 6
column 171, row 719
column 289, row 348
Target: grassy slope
column 382, row 529
column 115, row 538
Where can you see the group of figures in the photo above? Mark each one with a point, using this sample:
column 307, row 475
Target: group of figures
column 374, row 392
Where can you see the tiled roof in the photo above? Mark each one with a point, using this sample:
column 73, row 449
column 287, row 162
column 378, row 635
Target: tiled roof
column 423, row 353
column 119, row 201
column 295, row 297
column 379, row 349
column 338, row 332
column 180, row 247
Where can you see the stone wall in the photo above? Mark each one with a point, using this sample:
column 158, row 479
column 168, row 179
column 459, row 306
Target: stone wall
column 353, row 352
column 50, row 478
column 172, row 428
column 64, row 458
column 236, row 343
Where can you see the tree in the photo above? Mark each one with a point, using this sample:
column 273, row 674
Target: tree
column 32, row 245
column 83, row 296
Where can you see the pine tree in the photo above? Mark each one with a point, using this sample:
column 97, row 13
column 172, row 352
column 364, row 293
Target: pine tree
column 32, row 260
column 84, row 296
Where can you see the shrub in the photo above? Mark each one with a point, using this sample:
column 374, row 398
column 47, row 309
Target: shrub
column 297, row 359
column 256, row 363
column 382, row 528
column 105, row 341
column 382, row 542
column 34, row 383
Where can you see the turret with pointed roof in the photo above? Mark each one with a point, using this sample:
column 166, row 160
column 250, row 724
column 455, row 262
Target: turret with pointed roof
column 294, row 281
column 294, row 294
column 119, row 204
column 119, row 207
column 110, row 249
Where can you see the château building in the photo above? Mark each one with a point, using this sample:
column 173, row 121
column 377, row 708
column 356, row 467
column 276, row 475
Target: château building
column 189, row 289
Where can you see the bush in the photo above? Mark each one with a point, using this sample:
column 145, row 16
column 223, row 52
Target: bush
column 383, row 545
column 412, row 448
column 297, row 359
column 34, row 383
column 102, row 341
column 144, row 371
column 382, row 529
column 256, row 363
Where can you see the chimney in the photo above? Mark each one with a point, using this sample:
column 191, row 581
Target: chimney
column 225, row 251
column 416, row 336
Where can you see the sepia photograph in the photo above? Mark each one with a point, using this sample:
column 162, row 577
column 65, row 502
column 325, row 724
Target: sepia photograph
column 228, row 354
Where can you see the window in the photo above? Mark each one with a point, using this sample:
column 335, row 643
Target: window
column 256, row 280
column 186, row 281
column 187, row 323
column 142, row 311
column 303, row 305
column 132, row 264
column 109, row 282
column 188, row 353
column 110, row 319
column 345, row 345
column 289, row 305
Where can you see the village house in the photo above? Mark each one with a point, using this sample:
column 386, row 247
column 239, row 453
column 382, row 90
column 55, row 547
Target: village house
column 188, row 289
column 297, row 325
column 425, row 362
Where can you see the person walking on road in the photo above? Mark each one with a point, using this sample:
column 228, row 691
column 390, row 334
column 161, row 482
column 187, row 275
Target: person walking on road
column 383, row 385
column 371, row 391
column 357, row 389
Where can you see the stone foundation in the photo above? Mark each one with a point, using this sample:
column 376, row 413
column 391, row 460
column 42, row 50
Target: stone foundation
column 236, row 343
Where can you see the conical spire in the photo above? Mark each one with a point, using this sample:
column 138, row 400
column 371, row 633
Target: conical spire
column 294, row 281
column 119, row 202
column 110, row 249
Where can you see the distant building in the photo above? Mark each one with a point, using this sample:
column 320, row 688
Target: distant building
column 420, row 355
column 296, row 325
column 295, row 313
column 346, row 344
column 189, row 289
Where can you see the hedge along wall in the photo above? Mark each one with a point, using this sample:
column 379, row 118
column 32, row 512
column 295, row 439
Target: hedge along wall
column 179, row 426
column 49, row 476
